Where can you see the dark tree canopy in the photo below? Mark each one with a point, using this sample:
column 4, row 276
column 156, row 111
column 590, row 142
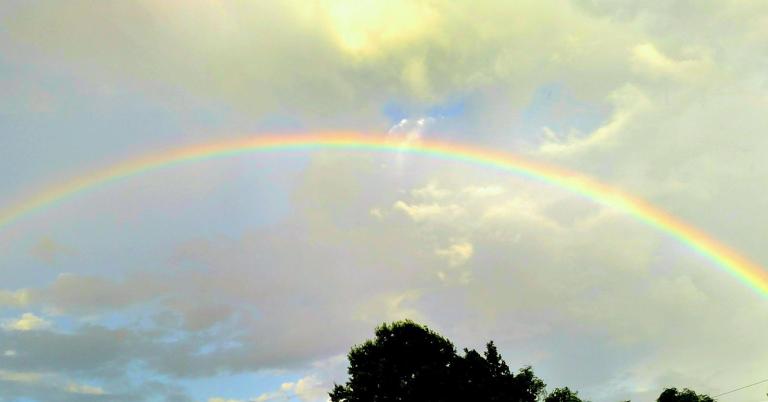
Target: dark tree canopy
column 407, row 362
column 563, row 395
column 686, row 395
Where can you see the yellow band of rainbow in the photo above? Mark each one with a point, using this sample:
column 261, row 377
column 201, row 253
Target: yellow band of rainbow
column 729, row 260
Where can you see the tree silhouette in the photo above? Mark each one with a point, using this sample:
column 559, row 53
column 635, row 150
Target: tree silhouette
column 563, row 395
column 407, row 362
column 686, row 395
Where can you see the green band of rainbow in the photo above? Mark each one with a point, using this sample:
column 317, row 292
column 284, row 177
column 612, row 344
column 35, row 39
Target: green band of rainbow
column 745, row 270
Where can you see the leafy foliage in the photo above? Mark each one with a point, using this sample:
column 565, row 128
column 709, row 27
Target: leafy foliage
column 686, row 395
column 408, row 362
column 563, row 395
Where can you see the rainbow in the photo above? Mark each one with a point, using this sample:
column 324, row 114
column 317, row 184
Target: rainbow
column 723, row 257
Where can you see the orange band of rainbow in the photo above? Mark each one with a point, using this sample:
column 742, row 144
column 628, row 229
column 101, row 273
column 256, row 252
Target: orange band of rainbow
column 745, row 270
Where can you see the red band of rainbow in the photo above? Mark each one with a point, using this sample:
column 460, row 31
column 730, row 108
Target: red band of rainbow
column 748, row 272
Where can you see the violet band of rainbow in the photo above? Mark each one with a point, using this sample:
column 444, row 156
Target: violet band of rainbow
column 727, row 259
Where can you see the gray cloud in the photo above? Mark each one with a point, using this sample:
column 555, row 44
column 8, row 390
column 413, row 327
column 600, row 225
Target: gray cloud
column 552, row 278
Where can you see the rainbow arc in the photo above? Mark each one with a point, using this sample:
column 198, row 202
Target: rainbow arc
column 748, row 272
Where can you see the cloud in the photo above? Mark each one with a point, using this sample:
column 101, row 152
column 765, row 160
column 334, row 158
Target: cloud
column 44, row 385
column 649, row 59
column 550, row 272
column 430, row 192
column 89, row 294
column 432, row 211
column 353, row 55
column 390, row 307
column 309, row 389
column 456, row 254
column 628, row 101
column 84, row 389
column 306, row 389
column 19, row 376
column 483, row 191
column 49, row 250
column 407, row 133
column 546, row 267
column 27, row 322
column 680, row 97
column 368, row 27
column 18, row 298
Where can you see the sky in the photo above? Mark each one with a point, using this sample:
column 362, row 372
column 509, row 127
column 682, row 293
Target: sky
column 248, row 278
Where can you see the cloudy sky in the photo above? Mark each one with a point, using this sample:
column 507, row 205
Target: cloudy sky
column 248, row 278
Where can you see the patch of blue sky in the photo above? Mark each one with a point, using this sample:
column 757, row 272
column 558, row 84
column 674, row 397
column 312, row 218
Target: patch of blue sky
column 136, row 375
column 453, row 108
column 240, row 386
column 62, row 323
column 231, row 385
column 450, row 119
column 118, row 319
column 145, row 315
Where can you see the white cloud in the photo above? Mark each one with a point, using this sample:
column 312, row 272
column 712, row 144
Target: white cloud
column 354, row 55
column 27, row 322
column 411, row 130
column 84, row 389
column 19, row 376
column 483, row 191
column 456, row 254
column 628, row 102
column 431, row 192
column 407, row 133
column 310, row 389
column 306, row 389
column 648, row 59
column 429, row 212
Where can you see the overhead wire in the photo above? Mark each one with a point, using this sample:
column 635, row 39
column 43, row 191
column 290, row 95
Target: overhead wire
column 740, row 388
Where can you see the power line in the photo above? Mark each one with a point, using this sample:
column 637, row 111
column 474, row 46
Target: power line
column 739, row 389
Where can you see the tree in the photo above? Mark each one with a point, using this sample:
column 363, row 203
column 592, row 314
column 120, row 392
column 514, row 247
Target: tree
column 563, row 395
column 488, row 378
column 404, row 362
column 686, row 395
column 526, row 387
column 407, row 362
